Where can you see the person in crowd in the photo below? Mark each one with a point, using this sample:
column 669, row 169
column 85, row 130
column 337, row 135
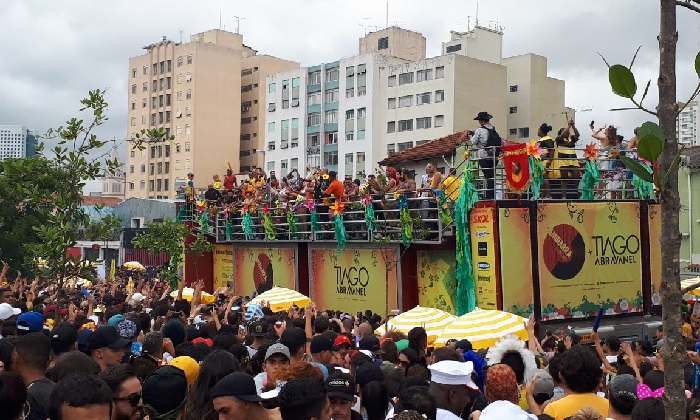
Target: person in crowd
column 107, row 347
column 485, row 152
column 30, row 361
column 551, row 187
column 567, row 162
column 190, row 192
column 304, row 399
column 351, row 190
column 417, row 398
column 80, row 397
column 230, row 180
column 649, row 409
column 217, row 182
column 7, row 311
column 607, row 143
column 295, row 340
column 451, row 185
column 335, row 188
column 126, row 392
column 277, row 356
column 449, row 383
column 340, row 388
column 234, row 397
column 29, row 322
column 212, row 195
column 258, row 330
column 418, row 341
column 321, row 353
column 189, row 365
column 71, row 362
column 64, row 338
column 622, row 394
column 13, row 396
column 214, row 368
column 660, row 337
column 407, row 185
column 374, row 400
column 164, row 393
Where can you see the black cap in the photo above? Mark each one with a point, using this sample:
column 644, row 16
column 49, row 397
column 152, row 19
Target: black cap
column 370, row 343
column 107, row 337
column 236, row 384
column 108, row 299
column 258, row 329
column 293, row 338
column 368, row 372
column 464, row 345
column 340, row 385
column 320, row 343
column 164, row 390
column 483, row 115
column 63, row 337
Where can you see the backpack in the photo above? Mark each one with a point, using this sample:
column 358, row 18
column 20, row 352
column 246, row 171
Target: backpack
column 493, row 142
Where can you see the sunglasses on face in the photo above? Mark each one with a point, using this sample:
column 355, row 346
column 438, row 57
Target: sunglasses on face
column 132, row 399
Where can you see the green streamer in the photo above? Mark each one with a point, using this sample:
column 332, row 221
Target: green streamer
column 204, row 221
column 269, row 230
column 590, row 178
column 229, row 232
column 443, row 208
column 248, row 226
column 292, row 222
column 406, row 227
column 369, row 218
column 643, row 189
column 315, row 227
column 466, row 291
column 536, row 176
column 340, row 232
column 182, row 214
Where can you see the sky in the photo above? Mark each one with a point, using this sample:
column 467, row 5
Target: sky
column 56, row 51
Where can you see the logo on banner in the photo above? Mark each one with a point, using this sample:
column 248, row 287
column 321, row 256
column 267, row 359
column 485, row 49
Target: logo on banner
column 564, row 251
column 517, row 167
column 482, row 249
column 351, row 281
column 483, row 265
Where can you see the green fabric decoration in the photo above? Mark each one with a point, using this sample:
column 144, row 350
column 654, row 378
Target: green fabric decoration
column 340, row 232
column 643, row 189
column 536, row 176
column 269, row 230
column 406, row 227
column 229, row 231
column 248, row 226
column 369, row 218
column 443, row 208
column 182, row 214
column 466, row 290
column 315, row 227
column 204, row 221
column 590, row 178
column 292, row 222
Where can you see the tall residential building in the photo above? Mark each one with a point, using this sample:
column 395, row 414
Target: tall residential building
column 196, row 92
column 16, row 141
column 686, row 125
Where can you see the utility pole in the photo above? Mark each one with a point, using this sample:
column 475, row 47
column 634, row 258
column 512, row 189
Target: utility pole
column 238, row 23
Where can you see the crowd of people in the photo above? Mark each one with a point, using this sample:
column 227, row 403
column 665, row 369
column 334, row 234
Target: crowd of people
column 121, row 352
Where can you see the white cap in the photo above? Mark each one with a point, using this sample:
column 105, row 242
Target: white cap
column 450, row 372
column 6, row 311
column 137, row 297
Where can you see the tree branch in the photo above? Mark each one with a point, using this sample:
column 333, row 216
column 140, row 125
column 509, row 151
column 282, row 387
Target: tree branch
column 692, row 97
column 687, row 4
column 689, row 288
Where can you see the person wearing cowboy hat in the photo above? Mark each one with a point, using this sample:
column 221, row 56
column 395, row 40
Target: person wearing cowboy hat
column 485, row 155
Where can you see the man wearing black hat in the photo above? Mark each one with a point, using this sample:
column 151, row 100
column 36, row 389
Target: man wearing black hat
column 340, row 389
column 321, row 353
column 64, row 338
column 164, row 393
column 235, row 398
column 107, row 347
column 258, row 330
column 295, row 340
column 486, row 153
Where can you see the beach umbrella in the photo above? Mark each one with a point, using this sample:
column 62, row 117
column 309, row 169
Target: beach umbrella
column 431, row 319
column 188, row 293
column 689, row 282
column 77, row 282
column 483, row 328
column 281, row 299
column 134, row 265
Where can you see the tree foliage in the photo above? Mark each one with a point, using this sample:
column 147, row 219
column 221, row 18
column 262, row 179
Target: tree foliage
column 168, row 237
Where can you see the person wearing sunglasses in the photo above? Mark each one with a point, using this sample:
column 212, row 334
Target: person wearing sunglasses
column 126, row 392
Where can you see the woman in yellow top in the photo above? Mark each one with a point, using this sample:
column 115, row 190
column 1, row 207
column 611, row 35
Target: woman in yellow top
column 217, row 182
column 451, row 185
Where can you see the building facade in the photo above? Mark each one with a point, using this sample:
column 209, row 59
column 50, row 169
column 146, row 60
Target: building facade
column 686, row 125
column 196, row 92
column 17, row 141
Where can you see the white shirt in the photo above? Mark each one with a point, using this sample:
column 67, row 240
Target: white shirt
column 446, row 415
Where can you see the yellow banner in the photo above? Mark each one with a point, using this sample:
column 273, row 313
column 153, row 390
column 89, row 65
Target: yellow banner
column 354, row 279
column 223, row 265
column 482, row 231
column 516, row 264
column 258, row 269
column 654, row 216
column 437, row 284
column 589, row 256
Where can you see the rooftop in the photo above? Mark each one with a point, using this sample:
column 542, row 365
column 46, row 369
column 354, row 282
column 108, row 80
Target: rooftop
column 432, row 149
column 691, row 158
column 94, row 200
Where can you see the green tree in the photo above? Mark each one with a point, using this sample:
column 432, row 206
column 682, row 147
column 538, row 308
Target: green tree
column 167, row 236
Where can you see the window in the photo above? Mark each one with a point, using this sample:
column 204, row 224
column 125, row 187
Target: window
column 246, row 72
column 247, row 120
column 331, row 138
column 151, row 185
column 155, row 68
column 133, row 121
column 440, row 72
column 143, row 118
column 179, row 61
column 160, row 167
column 178, row 130
column 524, row 132
column 271, row 127
column 189, row 59
column 154, row 86
column 453, row 48
column 188, row 130
column 162, row 66
column 514, row 88
column 143, row 168
column 391, row 103
column 154, row 102
column 245, row 137
column 383, row 43
column 439, row 95
column 179, row 96
column 405, row 145
column 390, row 148
column 313, row 99
column 272, row 88
column 424, row 75
column 168, row 98
column 405, row 101
column 422, row 123
column 167, row 116
column 391, row 126
column 142, row 184
column 392, row 81
column 187, row 164
column 330, row 158
column 170, row 65
column 313, row 140
column 332, row 75
column 513, row 132
column 188, row 78
column 145, row 87
column 349, row 136
column 189, row 94
column 131, row 169
column 315, row 78
column 270, row 107
column 361, row 112
column 423, row 98
column 133, row 153
column 350, row 93
column 188, row 112
column 165, row 184
column 350, row 114
column 361, row 90
column 314, row 119
column 360, row 157
column 187, row 146
column 405, row 125
column 131, row 186
column 133, row 89
column 161, row 100
column 246, row 88
column 439, row 120
column 177, row 148
column 331, row 116
column 179, row 79
column 178, row 165
column 145, row 70
column 513, row 109
column 332, row 95
column 405, row 78
column 349, row 157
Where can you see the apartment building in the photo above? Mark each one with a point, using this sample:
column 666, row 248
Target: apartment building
column 16, row 141
column 686, row 125
column 198, row 91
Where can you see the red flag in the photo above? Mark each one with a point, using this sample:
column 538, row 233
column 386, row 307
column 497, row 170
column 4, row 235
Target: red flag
column 517, row 167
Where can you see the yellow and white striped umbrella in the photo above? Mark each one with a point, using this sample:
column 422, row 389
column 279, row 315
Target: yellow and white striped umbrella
column 483, row 328
column 432, row 320
column 134, row 265
column 188, row 294
column 281, row 299
column 689, row 282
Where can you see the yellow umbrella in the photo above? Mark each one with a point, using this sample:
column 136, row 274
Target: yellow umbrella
column 432, row 320
column 134, row 265
column 188, row 293
column 690, row 282
column 483, row 328
column 281, row 299
column 77, row 282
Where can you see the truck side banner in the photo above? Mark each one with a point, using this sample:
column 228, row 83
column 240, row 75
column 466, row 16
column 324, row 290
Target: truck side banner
column 259, row 269
column 482, row 230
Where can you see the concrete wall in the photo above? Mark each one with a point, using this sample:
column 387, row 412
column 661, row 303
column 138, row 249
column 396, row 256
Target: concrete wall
column 146, row 209
column 404, row 44
column 689, row 217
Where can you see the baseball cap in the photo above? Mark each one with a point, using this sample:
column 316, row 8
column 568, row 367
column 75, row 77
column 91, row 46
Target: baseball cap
column 293, row 338
column 128, row 329
column 236, row 384
column 164, row 390
column 342, row 340
column 625, row 386
column 320, row 344
column 206, row 341
column 368, row 372
column 188, row 365
column 29, row 322
column 6, row 311
column 258, row 328
column 63, row 337
column 277, row 348
column 115, row 320
column 544, row 383
column 108, row 299
column 340, row 385
column 107, row 337
column 137, row 297
column 54, row 308
column 450, row 372
column 370, row 343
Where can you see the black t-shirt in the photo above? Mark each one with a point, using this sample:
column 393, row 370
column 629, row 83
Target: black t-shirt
column 354, row 415
column 38, row 398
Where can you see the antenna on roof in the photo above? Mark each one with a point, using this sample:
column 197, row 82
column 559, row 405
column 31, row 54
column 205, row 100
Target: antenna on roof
column 477, row 14
column 238, row 23
column 387, row 14
column 180, row 36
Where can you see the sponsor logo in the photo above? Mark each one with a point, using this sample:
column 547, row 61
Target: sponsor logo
column 481, row 234
column 482, row 249
column 564, row 251
column 480, row 218
column 483, row 265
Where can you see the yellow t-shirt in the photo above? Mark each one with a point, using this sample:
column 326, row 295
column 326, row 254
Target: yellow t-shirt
column 451, row 185
column 687, row 330
column 569, row 405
